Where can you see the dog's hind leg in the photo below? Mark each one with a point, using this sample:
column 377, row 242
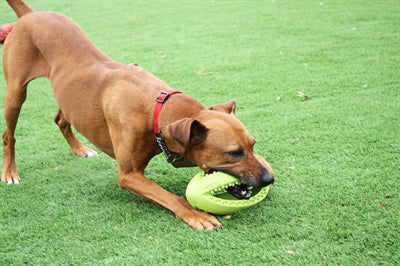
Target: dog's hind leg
column 15, row 95
column 77, row 147
column 22, row 63
column 14, row 98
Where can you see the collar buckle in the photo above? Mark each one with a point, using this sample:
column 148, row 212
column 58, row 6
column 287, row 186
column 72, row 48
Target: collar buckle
column 162, row 96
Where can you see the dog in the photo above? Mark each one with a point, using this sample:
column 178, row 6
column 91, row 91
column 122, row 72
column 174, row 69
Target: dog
column 124, row 110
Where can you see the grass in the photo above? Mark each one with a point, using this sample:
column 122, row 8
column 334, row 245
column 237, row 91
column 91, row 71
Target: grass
column 336, row 155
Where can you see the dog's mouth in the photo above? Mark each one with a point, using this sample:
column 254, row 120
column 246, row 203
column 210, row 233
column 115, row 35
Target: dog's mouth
column 239, row 190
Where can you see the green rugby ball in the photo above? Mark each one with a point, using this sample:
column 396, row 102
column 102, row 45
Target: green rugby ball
column 209, row 192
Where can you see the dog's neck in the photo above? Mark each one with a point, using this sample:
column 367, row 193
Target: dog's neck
column 176, row 158
column 161, row 98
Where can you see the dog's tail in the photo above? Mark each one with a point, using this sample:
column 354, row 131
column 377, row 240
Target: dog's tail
column 19, row 7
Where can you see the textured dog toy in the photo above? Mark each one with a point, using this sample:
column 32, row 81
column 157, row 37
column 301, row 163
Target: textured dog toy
column 5, row 30
column 209, row 192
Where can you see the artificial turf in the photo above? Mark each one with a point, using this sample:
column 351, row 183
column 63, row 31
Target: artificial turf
column 336, row 154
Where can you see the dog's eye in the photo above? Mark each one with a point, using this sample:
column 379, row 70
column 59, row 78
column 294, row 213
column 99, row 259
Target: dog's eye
column 236, row 154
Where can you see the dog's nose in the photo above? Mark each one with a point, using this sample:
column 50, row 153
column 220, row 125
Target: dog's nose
column 267, row 179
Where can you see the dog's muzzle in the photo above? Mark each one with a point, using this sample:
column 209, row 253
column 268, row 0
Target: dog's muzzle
column 244, row 191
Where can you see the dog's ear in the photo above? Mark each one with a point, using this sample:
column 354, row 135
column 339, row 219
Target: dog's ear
column 228, row 107
column 187, row 132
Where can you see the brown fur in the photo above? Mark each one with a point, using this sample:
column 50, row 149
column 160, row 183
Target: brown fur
column 111, row 104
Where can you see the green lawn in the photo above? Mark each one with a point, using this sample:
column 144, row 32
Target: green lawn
column 336, row 154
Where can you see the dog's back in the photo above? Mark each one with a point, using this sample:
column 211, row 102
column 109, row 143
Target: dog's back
column 35, row 31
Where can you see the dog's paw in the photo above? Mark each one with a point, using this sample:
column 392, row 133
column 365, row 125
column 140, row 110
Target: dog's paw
column 14, row 181
column 200, row 220
column 11, row 179
column 91, row 153
column 83, row 151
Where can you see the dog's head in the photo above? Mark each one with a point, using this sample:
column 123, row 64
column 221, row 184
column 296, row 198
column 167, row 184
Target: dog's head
column 217, row 141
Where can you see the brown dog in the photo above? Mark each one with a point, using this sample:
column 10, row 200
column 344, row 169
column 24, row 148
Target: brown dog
column 113, row 106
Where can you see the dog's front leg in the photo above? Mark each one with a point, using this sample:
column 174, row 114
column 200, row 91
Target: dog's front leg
column 137, row 183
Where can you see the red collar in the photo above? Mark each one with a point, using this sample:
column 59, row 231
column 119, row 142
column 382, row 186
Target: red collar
column 177, row 160
column 161, row 98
